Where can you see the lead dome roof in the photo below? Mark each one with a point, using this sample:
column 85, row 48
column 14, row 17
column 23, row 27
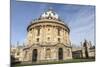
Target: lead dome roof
column 49, row 14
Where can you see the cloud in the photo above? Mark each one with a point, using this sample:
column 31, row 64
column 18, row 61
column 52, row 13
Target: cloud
column 83, row 25
column 79, row 18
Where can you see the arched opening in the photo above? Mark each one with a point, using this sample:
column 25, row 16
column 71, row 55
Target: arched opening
column 60, row 53
column 48, row 53
column 34, row 55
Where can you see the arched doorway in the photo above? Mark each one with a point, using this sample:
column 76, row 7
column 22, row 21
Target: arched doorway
column 60, row 53
column 34, row 55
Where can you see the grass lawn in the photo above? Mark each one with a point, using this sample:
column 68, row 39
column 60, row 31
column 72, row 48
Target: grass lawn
column 57, row 62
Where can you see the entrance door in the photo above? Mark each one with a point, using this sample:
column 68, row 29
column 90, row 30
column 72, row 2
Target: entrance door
column 34, row 55
column 60, row 54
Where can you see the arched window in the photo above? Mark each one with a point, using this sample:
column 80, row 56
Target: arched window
column 34, row 55
column 48, row 53
column 60, row 53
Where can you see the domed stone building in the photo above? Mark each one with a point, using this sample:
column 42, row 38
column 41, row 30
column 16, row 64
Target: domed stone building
column 47, row 39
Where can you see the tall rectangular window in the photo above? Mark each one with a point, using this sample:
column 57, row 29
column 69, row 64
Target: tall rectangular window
column 48, row 38
column 58, row 39
column 58, row 32
column 37, row 39
column 38, row 31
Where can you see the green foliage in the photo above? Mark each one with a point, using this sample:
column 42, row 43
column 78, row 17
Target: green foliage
column 57, row 62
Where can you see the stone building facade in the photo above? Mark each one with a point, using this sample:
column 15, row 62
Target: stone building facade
column 48, row 38
column 17, row 53
column 87, row 50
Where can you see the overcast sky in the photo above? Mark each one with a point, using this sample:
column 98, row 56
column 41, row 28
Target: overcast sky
column 80, row 19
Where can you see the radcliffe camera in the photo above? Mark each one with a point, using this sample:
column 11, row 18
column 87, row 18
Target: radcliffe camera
column 51, row 33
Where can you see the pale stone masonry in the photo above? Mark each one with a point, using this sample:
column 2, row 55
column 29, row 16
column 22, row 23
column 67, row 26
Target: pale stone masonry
column 47, row 39
column 86, row 50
